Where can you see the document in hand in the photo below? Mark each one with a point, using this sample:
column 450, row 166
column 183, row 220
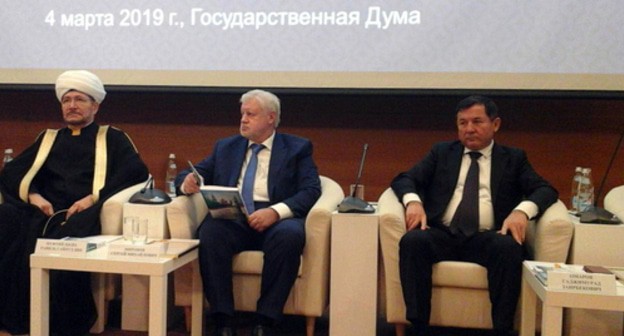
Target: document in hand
column 224, row 202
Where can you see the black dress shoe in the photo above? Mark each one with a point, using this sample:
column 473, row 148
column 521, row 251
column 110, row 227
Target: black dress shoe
column 261, row 330
column 225, row 331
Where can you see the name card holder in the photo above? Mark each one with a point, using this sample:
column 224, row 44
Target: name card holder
column 128, row 250
column 581, row 282
column 62, row 247
column 73, row 246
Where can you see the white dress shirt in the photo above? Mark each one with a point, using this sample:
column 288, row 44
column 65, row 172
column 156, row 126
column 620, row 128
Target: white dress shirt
column 261, row 183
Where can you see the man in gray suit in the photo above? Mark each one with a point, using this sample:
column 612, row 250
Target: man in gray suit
column 445, row 223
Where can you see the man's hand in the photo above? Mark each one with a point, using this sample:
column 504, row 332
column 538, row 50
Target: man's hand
column 415, row 216
column 78, row 206
column 41, row 203
column 516, row 222
column 262, row 219
column 189, row 185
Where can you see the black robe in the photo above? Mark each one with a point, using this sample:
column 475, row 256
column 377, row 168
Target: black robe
column 65, row 177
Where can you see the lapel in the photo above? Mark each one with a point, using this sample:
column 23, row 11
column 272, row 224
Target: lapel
column 238, row 151
column 499, row 161
column 454, row 163
column 278, row 159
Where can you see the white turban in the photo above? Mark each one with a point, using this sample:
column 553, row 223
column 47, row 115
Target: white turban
column 80, row 80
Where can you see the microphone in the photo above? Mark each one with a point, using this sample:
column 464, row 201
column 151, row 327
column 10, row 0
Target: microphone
column 351, row 203
column 149, row 195
column 597, row 215
column 150, row 181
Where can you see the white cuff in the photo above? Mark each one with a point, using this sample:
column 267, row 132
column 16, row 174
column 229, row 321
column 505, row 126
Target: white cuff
column 410, row 197
column 282, row 210
column 529, row 208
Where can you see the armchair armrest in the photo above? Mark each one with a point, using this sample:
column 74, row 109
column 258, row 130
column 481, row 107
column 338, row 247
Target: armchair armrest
column 391, row 229
column 391, row 211
column 613, row 201
column 111, row 215
column 550, row 237
column 184, row 214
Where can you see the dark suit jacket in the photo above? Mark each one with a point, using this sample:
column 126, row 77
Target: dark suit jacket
column 512, row 181
column 293, row 177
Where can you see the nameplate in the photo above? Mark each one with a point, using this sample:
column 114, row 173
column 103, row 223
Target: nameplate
column 72, row 246
column 581, row 282
column 61, row 247
column 128, row 250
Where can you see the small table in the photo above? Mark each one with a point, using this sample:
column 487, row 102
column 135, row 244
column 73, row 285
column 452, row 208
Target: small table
column 595, row 244
column 179, row 253
column 553, row 303
column 353, row 282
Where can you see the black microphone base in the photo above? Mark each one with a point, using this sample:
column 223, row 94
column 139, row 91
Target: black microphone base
column 355, row 205
column 596, row 215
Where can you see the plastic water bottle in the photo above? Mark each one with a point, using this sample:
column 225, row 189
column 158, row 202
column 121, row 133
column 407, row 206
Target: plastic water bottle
column 576, row 180
column 172, row 172
column 8, row 156
column 586, row 191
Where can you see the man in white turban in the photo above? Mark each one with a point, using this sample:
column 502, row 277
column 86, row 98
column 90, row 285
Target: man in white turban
column 54, row 189
column 82, row 81
column 80, row 93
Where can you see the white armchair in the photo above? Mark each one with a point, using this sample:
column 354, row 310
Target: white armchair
column 460, row 290
column 310, row 293
column 614, row 201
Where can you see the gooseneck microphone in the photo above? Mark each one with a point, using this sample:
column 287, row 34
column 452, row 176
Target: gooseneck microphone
column 149, row 184
column 351, row 203
column 149, row 195
column 604, row 178
column 359, row 174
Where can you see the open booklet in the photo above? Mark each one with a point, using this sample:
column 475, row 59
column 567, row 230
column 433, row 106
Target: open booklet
column 224, row 202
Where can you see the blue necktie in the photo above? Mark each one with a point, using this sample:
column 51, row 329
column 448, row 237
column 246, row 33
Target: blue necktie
column 250, row 176
column 466, row 218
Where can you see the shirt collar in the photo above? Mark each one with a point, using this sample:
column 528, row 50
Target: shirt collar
column 268, row 143
column 485, row 152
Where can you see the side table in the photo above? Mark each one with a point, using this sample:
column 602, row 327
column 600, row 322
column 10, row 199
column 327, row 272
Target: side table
column 553, row 303
column 353, row 282
column 179, row 253
column 595, row 244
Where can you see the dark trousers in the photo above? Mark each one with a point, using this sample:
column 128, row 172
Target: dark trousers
column 72, row 310
column 282, row 245
column 501, row 255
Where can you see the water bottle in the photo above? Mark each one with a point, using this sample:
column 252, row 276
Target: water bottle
column 8, row 156
column 576, row 180
column 172, row 172
column 586, row 191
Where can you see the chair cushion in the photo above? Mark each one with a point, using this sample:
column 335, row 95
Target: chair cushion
column 459, row 274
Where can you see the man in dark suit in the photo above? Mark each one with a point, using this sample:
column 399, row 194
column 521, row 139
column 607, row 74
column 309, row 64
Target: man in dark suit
column 488, row 231
column 286, row 186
